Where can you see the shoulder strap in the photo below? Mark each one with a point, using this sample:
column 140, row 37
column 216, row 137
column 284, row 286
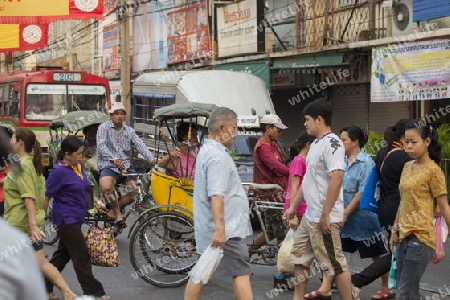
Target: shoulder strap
column 382, row 164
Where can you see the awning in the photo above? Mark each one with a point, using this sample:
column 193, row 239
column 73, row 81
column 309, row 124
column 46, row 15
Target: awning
column 166, row 96
column 310, row 61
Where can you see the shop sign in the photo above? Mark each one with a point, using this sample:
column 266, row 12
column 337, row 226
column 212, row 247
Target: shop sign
column 286, row 79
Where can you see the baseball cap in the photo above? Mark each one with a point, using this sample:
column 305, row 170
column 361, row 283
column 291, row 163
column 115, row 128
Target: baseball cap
column 273, row 120
column 117, row 106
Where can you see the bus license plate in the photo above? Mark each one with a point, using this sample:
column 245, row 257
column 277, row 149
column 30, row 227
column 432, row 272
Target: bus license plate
column 46, row 161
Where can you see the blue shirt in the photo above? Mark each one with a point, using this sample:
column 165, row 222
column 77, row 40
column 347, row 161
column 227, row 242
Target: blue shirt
column 70, row 194
column 362, row 224
column 115, row 144
column 216, row 174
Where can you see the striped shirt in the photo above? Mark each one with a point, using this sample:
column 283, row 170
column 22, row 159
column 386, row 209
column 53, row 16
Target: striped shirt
column 115, row 144
column 216, row 174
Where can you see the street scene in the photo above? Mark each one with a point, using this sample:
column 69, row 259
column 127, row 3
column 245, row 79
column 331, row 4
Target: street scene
column 123, row 283
column 207, row 149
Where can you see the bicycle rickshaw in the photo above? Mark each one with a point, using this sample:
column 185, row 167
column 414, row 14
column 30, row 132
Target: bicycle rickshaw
column 72, row 124
column 162, row 246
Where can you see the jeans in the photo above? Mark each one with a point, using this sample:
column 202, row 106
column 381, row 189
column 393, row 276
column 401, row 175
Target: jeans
column 413, row 256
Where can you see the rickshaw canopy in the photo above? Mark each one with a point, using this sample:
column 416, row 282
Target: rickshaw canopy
column 76, row 120
column 184, row 110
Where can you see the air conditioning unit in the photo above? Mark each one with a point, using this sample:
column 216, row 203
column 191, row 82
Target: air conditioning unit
column 402, row 23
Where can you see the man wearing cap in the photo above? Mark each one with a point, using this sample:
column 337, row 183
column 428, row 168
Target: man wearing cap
column 114, row 142
column 269, row 168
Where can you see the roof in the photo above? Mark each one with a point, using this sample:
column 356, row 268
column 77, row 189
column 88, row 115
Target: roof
column 184, row 110
column 244, row 93
column 76, row 120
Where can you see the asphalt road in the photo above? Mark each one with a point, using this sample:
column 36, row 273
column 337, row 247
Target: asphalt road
column 122, row 282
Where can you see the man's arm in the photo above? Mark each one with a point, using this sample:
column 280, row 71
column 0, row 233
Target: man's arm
column 267, row 156
column 334, row 189
column 102, row 144
column 219, row 236
column 141, row 148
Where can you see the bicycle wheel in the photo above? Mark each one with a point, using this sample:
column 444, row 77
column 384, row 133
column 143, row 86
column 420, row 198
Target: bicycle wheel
column 162, row 249
column 50, row 233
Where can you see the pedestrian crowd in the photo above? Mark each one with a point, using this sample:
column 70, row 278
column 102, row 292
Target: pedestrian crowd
column 324, row 181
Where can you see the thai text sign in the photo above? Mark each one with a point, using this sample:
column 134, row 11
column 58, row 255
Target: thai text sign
column 411, row 71
column 237, row 28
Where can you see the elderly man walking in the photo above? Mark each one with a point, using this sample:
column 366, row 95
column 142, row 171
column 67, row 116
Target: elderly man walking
column 221, row 206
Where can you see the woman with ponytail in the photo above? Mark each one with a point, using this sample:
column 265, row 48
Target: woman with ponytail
column 422, row 189
column 24, row 205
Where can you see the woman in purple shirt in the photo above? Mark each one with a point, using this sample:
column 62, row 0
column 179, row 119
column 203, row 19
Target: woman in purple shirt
column 69, row 185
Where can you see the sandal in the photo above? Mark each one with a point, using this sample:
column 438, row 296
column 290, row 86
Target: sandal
column 383, row 293
column 356, row 291
column 316, row 295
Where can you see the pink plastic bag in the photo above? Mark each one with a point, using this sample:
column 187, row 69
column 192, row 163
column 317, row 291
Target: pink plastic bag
column 440, row 253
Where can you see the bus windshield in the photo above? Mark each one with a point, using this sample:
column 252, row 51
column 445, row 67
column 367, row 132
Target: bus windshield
column 48, row 101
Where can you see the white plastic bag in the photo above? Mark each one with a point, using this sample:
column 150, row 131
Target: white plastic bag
column 206, row 265
column 284, row 253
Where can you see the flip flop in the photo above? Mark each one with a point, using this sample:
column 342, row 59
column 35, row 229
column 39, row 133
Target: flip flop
column 383, row 293
column 316, row 295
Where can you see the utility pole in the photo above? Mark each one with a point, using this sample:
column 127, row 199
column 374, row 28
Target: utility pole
column 125, row 67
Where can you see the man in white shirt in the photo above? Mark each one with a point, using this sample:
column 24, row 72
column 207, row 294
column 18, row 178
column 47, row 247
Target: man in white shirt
column 318, row 234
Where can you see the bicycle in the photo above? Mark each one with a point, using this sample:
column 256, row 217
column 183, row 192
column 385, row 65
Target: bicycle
column 263, row 197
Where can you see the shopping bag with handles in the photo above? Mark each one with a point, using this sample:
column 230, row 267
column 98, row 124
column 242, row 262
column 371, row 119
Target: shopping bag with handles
column 102, row 246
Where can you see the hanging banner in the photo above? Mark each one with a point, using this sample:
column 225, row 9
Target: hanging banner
column 110, row 48
column 150, row 35
column 188, row 32
column 47, row 11
column 21, row 37
column 411, row 71
column 108, row 6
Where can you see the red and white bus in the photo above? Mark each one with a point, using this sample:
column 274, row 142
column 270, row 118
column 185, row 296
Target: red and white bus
column 34, row 98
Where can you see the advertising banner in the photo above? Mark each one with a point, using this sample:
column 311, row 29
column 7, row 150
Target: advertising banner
column 47, row 11
column 110, row 48
column 411, row 71
column 21, row 37
column 150, row 35
column 188, row 32
column 237, row 28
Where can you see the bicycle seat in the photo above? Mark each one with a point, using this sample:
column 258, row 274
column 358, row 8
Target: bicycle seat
column 264, row 188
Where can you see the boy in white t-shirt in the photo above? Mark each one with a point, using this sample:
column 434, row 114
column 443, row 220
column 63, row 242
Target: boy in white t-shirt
column 318, row 234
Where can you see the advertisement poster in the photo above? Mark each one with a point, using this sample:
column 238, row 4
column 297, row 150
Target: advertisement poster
column 110, row 48
column 411, row 71
column 150, row 35
column 108, row 6
column 237, row 28
column 188, row 34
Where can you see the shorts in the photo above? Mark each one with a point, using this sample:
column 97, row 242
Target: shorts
column 310, row 243
column 366, row 249
column 115, row 175
column 38, row 246
column 274, row 223
column 235, row 260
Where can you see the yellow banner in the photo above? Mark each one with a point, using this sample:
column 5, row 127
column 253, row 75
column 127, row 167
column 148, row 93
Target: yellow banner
column 30, row 8
column 9, row 35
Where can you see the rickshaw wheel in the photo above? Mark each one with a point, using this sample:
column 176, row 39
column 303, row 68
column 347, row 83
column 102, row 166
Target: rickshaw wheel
column 162, row 249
